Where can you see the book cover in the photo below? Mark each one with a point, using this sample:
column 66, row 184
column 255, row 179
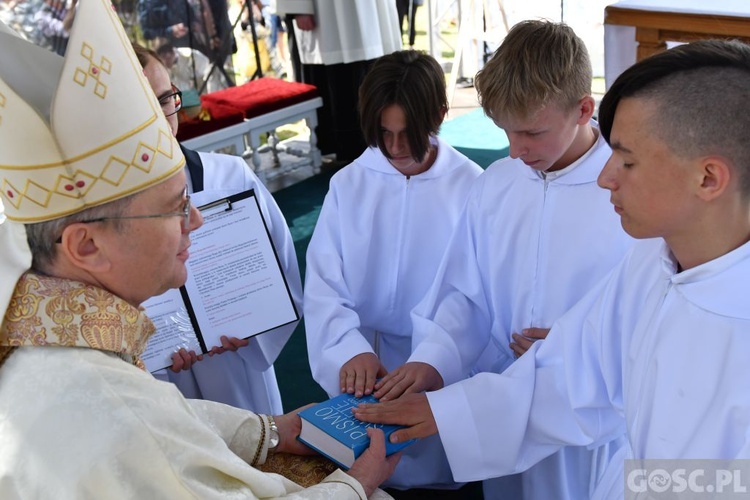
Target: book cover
column 331, row 429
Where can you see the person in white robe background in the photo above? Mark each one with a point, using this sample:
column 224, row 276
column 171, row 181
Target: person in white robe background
column 536, row 236
column 332, row 44
column 188, row 68
column 377, row 244
column 659, row 348
column 243, row 376
column 79, row 416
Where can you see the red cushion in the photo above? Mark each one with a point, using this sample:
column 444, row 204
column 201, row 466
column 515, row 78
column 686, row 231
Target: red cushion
column 261, row 96
column 221, row 116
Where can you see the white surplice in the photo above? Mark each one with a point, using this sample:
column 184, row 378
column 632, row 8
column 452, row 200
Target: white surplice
column 346, row 30
column 526, row 249
column 245, row 378
column 374, row 252
column 655, row 352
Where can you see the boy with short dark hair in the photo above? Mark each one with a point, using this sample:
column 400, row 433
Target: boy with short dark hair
column 660, row 345
column 536, row 235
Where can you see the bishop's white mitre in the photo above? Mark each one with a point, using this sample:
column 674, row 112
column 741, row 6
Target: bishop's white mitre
column 79, row 131
column 74, row 132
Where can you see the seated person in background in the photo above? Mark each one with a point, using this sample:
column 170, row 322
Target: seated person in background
column 188, row 68
column 80, row 417
column 244, row 378
column 658, row 349
column 536, row 235
column 382, row 230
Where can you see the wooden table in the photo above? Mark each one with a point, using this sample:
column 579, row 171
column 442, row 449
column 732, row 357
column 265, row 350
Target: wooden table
column 650, row 24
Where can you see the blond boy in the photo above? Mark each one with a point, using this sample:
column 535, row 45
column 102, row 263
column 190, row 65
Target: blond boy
column 536, row 235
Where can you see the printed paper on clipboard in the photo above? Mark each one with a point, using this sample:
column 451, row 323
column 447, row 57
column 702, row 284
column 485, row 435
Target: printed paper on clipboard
column 235, row 285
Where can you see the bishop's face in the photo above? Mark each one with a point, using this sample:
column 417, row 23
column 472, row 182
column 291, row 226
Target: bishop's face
column 148, row 254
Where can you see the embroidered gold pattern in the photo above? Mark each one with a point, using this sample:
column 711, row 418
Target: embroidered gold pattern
column 114, row 172
column 46, row 311
column 305, row 470
column 63, row 308
column 94, row 71
column 103, row 327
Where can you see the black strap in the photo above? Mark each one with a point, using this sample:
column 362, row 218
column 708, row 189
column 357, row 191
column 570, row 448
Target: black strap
column 195, row 167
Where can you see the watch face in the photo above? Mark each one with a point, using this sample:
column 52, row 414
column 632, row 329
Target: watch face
column 274, row 439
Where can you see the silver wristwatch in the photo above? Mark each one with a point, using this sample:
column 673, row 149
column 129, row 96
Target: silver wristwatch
column 273, row 438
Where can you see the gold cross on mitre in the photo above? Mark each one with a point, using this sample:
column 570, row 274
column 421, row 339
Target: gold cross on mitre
column 81, row 75
column 80, row 131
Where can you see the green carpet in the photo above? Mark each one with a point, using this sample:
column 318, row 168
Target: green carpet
column 300, row 204
column 476, row 136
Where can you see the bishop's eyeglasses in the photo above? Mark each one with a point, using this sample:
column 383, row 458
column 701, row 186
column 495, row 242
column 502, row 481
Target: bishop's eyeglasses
column 184, row 213
column 171, row 103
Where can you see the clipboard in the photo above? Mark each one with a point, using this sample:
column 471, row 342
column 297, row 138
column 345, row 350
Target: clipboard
column 235, row 286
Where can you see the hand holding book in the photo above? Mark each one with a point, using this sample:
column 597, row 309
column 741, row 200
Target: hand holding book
column 331, row 428
column 371, row 468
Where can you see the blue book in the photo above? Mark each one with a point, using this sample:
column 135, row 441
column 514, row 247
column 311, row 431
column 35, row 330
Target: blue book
column 331, row 429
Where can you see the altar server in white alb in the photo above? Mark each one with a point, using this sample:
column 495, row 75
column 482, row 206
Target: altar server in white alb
column 243, row 376
column 658, row 349
column 99, row 220
column 536, row 236
column 382, row 230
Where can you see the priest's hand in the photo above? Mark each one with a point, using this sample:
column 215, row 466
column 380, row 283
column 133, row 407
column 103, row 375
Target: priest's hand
column 228, row 344
column 523, row 342
column 184, row 359
column 290, row 426
column 358, row 375
column 411, row 410
column 406, row 379
column 373, row 467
